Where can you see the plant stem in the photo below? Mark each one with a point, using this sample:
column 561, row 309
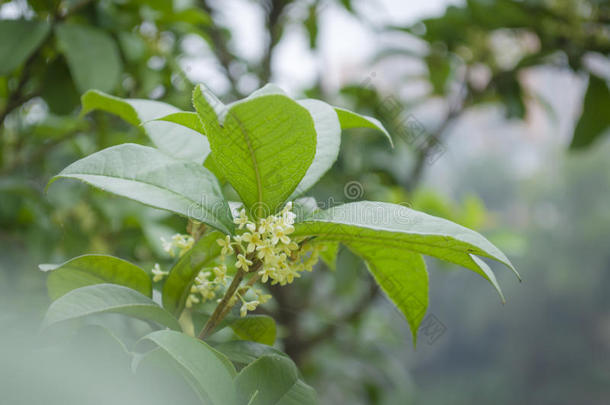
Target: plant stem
column 225, row 305
column 217, row 315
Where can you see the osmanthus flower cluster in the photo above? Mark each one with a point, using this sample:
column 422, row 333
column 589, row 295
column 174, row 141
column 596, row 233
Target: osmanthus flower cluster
column 268, row 241
column 269, row 149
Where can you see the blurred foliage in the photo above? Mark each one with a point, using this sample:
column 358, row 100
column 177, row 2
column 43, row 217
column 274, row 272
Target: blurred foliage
column 493, row 42
column 548, row 349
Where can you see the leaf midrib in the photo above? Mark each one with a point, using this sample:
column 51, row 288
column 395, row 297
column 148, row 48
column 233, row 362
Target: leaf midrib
column 259, row 183
column 346, row 237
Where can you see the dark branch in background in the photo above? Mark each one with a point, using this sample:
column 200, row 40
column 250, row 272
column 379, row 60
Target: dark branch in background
column 423, row 154
column 220, row 48
column 18, row 97
column 456, row 108
column 275, row 28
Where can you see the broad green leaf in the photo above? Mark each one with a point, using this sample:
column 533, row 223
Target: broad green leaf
column 105, row 298
column 95, row 269
column 208, row 371
column 144, row 174
column 20, row 39
column 349, row 119
column 402, row 275
column 256, row 328
column 396, row 226
column 595, row 117
column 180, row 279
column 92, row 55
column 328, row 141
column 58, row 89
column 329, row 254
column 263, row 144
column 245, row 352
column 273, row 380
column 175, row 140
column 187, row 119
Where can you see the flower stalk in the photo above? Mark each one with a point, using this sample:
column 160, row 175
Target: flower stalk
column 227, row 302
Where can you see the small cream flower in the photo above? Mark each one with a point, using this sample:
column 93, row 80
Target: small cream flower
column 179, row 242
column 247, row 306
column 226, row 245
column 265, row 251
column 191, row 300
column 262, row 298
column 242, row 219
column 280, row 233
column 158, row 274
column 253, row 239
column 243, row 263
column 167, row 245
column 265, row 225
column 220, row 274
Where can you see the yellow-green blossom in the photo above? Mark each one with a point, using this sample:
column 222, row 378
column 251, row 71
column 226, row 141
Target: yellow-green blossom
column 243, row 263
column 158, row 274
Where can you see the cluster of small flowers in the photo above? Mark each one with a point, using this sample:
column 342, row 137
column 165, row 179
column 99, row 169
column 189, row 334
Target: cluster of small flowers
column 268, row 240
column 178, row 245
column 205, row 287
column 246, row 306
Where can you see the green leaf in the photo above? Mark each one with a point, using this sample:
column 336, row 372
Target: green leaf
column 273, row 380
column 92, row 54
column 439, row 71
column 180, row 279
column 95, row 269
column 20, row 39
column 153, row 178
column 396, row 226
column 326, row 123
column 349, row 119
column 58, row 89
column 328, row 141
column 402, row 275
column 263, row 144
column 105, row 298
column 208, row 371
column 175, row 140
column 245, row 351
column 255, row 328
column 187, row 119
column 329, row 254
column 595, row 117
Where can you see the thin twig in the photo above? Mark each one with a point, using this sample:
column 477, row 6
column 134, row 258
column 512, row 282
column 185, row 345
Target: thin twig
column 225, row 305
column 220, row 48
column 274, row 28
column 216, row 316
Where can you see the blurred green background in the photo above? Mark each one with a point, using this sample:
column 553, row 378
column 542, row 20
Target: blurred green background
column 498, row 110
